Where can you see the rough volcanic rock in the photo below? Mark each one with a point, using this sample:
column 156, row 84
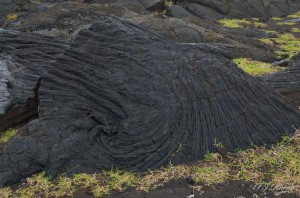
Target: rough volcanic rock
column 7, row 6
column 122, row 96
column 154, row 5
column 239, row 42
column 216, row 9
column 23, row 59
column 65, row 19
column 287, row 82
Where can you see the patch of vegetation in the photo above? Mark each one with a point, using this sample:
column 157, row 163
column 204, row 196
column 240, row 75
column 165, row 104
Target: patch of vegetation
column 295, row 30
column 276, row 19
column 279, row 165
column 286, row 23
column 6, row 192
column 7, row 135
column 210, row 173
column 11, row 17
column 242, row 23
column 255, row 68
column 257, row 24
column 235, row 23
column 107, row 182
column 270, row 31
column 289, row 45
column 168, row 3
column 295, row 15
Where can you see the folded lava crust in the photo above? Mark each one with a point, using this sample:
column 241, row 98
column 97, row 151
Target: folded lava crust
column 122, row 96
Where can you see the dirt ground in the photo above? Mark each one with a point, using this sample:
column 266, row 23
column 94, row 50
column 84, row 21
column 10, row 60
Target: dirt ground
column 181, row 189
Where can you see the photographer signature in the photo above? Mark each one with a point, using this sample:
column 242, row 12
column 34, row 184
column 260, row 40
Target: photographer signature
column 261, row 188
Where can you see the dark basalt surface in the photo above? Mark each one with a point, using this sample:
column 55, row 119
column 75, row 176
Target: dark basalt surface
column 23, row 59
column 216, row 9
column 287, row 82
column 121, row 96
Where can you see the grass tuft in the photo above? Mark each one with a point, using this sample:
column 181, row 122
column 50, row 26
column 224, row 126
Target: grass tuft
column 235, row 23
column 256, row 68
column 295, row 30
column 278, row 166
column 210, row 173
column 11, row 17
column 276, row 19
column 295, row 15
column 6, row 192
column 289, row 45
column 7, row 135
column 242, row 23
column 286, row 23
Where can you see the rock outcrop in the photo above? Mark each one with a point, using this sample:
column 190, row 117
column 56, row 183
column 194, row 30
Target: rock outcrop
column 23, row 60
column 287, row 82
column 216, row 9
column 122, row 96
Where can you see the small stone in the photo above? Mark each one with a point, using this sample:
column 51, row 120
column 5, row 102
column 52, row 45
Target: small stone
column 154, row 5
column 283, row 63
column 190, row 180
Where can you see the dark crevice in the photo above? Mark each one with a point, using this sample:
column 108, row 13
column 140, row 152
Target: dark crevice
column 21, row 114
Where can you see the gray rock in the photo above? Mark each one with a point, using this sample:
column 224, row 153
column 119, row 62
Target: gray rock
column 178, row 11
column 45, row 6
column 154, row 5
column 284, row 63
column 214, row 9
column 123, row 96
column 5, row 96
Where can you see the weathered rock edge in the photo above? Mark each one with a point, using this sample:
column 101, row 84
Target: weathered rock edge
column 122, row 96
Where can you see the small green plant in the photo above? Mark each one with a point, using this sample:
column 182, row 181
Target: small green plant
column 259, row 24
column 289, row 45
column 218, row 144
column 235, row 23
column 6, row 192
column 255, row 68
column 7, row 135
column 209, row 156
column 295, row 30
column 270, row 32
column 276, row 19
column 295, row 15
column 210, row 173
column 168, row 3
column 11, row 17
column 180, row 147
column 286, row 23
column 241, row 23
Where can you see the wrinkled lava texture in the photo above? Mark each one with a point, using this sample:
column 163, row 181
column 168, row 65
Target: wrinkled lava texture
column 287, row 82
column 216, row 9
column 121, row 96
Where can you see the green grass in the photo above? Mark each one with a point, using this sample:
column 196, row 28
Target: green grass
column 168, row 3
column 11, row 17
column 286, row 23
column 7, row 135
column 289, row 44
column 270, row 31
column 295, row 30
column 295, row 15
column 235, row 23
column 279, row 165
column 255, row 68
column 242, row 23
column 276, row 19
